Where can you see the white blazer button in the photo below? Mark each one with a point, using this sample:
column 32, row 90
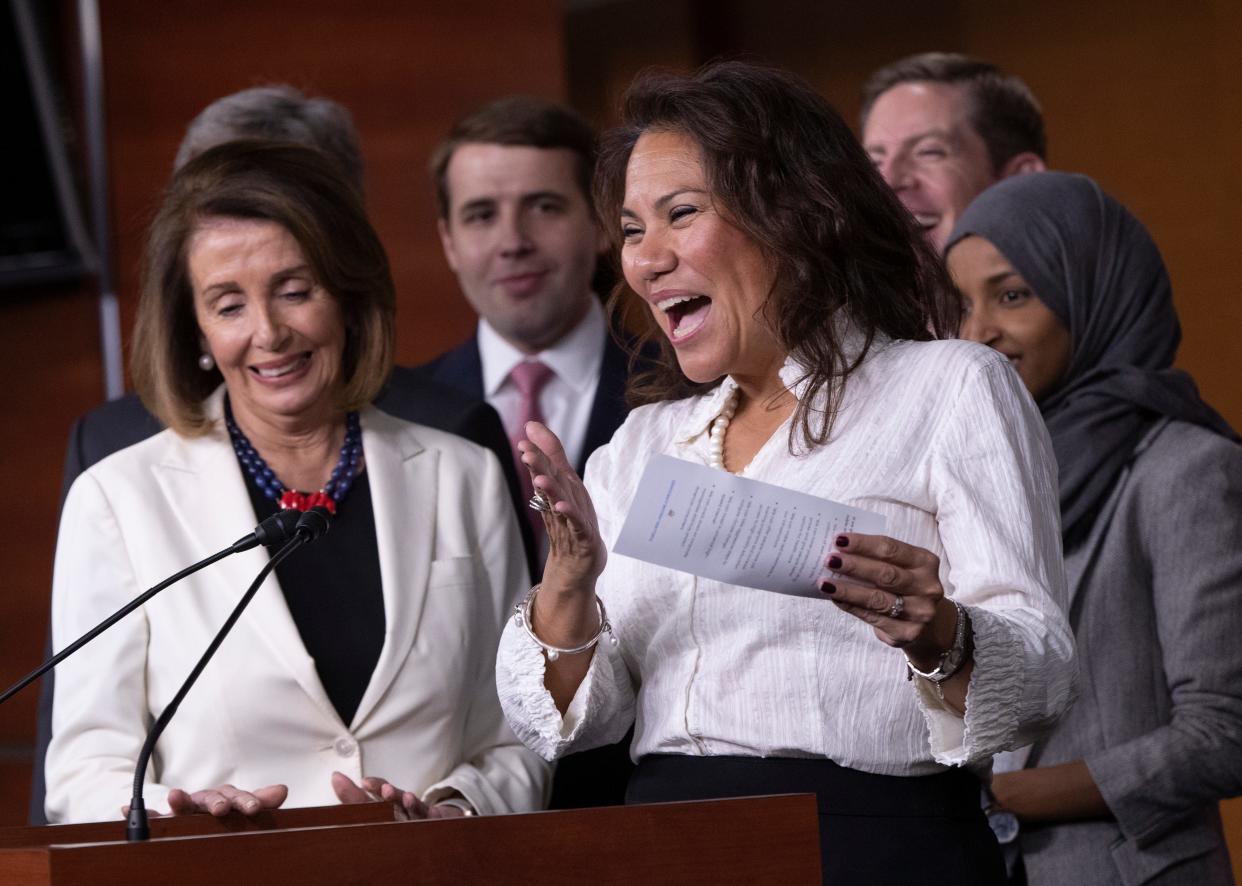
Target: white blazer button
column 345, row 747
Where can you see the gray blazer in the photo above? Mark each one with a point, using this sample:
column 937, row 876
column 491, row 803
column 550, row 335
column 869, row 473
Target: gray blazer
column 1156, row 608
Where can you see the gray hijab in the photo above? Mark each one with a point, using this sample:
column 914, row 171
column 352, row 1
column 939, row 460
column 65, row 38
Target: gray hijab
column 1095, row 266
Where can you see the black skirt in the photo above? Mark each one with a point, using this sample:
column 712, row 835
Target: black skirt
column 874, row 830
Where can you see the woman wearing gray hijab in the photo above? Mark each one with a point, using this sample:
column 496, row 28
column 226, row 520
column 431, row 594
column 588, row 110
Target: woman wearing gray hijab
column 1064, row 281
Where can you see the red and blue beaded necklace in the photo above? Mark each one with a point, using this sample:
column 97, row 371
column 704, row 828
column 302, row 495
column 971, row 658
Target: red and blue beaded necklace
column 269, row 484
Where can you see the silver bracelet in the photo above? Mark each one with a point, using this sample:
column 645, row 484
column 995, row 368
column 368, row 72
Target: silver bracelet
column 952, row 660
column 521, row 615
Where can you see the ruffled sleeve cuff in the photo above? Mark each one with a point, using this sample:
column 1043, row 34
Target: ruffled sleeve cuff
column 603, row 700
column 991, row 720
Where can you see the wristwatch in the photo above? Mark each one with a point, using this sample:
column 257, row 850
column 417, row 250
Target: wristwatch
column 950, row 662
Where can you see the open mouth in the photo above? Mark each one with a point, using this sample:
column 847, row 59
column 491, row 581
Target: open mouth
column 926, row 222
column 686, row 313
column 281, row 370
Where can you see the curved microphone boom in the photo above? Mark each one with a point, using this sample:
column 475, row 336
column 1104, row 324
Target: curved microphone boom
column 310, row 525
column 272, row 531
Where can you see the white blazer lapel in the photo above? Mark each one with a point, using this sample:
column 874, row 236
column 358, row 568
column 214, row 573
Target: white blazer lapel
column 204, row 482
column 402, row 475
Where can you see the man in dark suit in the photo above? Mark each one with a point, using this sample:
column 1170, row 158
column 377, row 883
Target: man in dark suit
column 279, row 113
column 513, row 188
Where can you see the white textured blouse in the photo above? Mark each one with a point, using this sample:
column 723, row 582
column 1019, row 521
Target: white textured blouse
column 942, row 439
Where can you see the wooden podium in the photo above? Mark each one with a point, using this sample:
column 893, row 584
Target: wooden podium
column 750, row 840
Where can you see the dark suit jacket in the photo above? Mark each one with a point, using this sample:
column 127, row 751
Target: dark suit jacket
column 462, row 368
column 409, row 394
column 597, row 777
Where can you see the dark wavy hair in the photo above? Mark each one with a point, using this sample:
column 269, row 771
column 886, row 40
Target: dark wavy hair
column 789, row 173
column 300, row 189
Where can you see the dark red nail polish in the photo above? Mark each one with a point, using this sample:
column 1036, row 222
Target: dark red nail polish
column 827, row 587
column 834, row 562
column 843, row 541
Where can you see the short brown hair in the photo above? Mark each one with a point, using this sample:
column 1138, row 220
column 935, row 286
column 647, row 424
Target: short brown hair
column 517, row 121
column 790, row 174
column 299, row 189
column 1003, row 110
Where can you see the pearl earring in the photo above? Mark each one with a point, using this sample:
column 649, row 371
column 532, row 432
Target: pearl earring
column 206, row 362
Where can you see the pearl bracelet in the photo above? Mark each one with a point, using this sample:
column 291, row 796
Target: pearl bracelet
column 521, row 616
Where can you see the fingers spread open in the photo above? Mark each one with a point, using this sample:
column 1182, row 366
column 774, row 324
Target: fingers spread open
column 179, row 803
column 273, row 796
column 346, row 791
column 212, row 801
column 549, row 445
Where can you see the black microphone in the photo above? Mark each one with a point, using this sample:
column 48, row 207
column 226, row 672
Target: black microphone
column 309, row 526
column 313, row 523
column 275, row 529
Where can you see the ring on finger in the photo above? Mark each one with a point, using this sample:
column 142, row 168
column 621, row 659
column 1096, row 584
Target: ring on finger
column 898, row 607
column 539, row 502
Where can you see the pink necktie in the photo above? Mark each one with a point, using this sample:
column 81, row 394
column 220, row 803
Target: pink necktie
column 528, row 377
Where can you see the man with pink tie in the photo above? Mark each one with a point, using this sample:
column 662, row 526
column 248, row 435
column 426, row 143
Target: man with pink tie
column 513, row 190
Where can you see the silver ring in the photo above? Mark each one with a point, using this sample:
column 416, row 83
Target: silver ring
column 539, row 502
column 898, row 607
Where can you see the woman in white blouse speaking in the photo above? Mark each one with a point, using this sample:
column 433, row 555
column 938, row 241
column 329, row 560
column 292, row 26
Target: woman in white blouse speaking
column 801, row 317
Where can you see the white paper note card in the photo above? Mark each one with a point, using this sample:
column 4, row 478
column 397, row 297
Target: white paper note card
column 710, row 523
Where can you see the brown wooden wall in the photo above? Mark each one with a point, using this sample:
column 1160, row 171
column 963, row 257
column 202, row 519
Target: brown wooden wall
column 1143, row 95
column 405, row 69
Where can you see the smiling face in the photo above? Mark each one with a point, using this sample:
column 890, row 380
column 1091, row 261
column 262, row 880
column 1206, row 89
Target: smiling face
column 277, row 336
column 1003, row 313
column 522, row 239
column 703, row 278
column 920, row 137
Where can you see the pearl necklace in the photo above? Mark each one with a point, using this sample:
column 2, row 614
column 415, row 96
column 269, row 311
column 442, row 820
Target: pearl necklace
column 719, row 426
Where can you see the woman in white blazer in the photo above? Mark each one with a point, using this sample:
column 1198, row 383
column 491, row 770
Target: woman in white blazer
column 366, row 661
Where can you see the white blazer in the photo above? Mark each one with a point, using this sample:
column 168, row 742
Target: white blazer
column 451, row 564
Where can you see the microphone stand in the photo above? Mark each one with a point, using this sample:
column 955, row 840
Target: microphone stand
column 275, row 528
column 310, row 526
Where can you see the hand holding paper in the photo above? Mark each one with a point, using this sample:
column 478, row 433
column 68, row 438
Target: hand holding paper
column 717, row 525
column 704, row 521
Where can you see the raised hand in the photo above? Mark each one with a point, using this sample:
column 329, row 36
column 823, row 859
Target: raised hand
column 576, row 553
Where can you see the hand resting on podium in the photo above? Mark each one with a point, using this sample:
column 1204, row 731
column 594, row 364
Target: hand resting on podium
column 406, row 804
column 221, row 800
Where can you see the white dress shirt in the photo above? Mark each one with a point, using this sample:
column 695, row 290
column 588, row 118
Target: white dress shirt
column 567, row 397
column 943, row 440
